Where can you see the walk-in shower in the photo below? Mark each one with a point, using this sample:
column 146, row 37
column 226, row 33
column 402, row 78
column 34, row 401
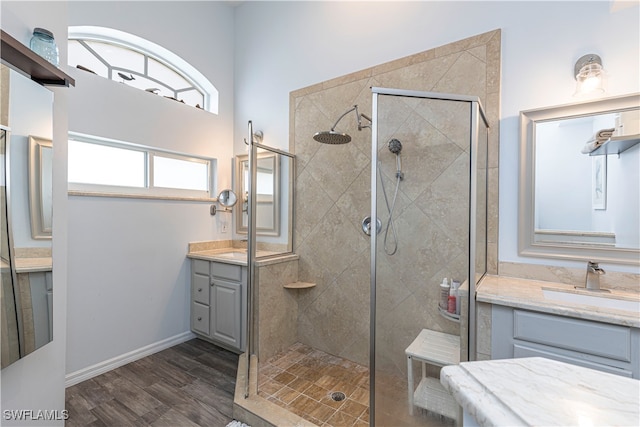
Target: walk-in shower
column 362, row 300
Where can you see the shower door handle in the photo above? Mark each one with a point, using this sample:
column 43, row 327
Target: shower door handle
column 366, row 225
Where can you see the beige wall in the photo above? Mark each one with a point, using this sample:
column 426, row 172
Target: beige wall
column 277, row 308
column 332, row 197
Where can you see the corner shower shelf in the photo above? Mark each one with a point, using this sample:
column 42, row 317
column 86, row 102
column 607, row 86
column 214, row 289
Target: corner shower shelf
column 616, row 145
column 30, row 63
column 449, row 316
column 299, row 285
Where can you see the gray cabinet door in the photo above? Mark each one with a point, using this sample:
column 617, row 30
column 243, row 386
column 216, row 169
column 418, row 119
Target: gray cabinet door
column 596, row 345
column 226, row 312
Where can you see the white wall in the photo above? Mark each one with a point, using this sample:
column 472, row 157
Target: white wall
column 31, row 113
column 37, row 381
column 128, row 271
column 284, row 46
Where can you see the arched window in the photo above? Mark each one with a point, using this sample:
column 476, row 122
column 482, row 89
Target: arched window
column 139, row 63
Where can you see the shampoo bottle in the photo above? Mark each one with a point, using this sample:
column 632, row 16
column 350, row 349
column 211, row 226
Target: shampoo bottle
column 451, row 304
column 444, row 294
column 451, row 301
column 455, row 284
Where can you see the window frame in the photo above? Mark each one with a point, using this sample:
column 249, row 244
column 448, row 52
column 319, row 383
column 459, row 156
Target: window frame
column 149, row 190
column 149, row 50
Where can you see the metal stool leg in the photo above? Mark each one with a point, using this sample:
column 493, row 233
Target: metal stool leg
column 410, row 383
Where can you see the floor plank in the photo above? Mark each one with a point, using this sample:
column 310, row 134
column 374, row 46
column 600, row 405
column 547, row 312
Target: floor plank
column 190, row 384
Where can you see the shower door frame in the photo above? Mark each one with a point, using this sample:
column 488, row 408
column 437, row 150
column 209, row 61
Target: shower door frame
column 252, row 242
column 476, row 115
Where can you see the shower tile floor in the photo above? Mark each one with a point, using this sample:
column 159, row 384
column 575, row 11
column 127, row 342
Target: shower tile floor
column 303, row 379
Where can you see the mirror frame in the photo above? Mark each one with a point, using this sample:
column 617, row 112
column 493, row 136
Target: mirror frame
column 39, row 230
column 527, row 246
column 261, row 231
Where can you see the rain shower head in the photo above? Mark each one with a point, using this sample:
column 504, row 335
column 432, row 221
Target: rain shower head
column 395, row 146
column 332, row 137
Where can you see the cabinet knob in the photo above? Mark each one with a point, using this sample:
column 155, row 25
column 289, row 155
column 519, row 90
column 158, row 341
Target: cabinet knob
column 199, row 318
column 199, row 289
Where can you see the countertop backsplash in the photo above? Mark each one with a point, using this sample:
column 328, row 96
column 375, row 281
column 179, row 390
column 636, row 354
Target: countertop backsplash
column 625, row 282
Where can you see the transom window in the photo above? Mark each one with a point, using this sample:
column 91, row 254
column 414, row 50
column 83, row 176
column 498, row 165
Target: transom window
column 139, row 63
column 109, row 167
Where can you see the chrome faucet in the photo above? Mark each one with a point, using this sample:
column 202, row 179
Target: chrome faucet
column 592, row 281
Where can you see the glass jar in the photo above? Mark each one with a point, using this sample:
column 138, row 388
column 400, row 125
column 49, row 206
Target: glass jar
column 44, row 45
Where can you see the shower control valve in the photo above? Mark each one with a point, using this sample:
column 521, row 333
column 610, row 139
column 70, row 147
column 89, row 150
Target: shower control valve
column 366, row 226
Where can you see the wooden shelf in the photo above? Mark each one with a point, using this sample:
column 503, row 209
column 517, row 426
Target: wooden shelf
column 299, row 285
column 20, row 57
column 616, row 145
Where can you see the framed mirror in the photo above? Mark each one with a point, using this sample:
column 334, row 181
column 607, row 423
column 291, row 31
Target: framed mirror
column 26, row 303
column 268, row 194
column 40, row 186
column 579, row 181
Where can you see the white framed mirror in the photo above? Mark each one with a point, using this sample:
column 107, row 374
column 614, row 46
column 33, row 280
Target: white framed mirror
column 267, row 194
column 27, row 267
column 579, row 181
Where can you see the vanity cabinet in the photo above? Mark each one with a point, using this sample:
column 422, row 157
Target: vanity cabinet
column 219, row 303
column 602, row 346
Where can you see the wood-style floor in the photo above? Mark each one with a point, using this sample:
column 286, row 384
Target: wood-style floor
column 191, row 384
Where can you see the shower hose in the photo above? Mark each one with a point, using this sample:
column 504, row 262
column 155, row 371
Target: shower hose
column 390, row 209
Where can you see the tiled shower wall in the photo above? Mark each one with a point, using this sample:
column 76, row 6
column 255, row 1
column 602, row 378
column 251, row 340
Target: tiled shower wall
column 332, row 197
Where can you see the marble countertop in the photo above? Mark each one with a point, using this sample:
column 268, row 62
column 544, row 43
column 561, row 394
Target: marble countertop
column 238, row 256
column 30, row 265
column 539, row 391
column 528, row 294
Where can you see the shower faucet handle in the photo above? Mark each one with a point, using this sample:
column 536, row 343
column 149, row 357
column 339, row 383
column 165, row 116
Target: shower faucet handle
column 366, row 225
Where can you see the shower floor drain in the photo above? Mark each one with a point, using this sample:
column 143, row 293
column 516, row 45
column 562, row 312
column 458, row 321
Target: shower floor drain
column 338, row 396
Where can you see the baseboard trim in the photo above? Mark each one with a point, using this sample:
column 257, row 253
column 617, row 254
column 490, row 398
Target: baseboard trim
column 115, row 362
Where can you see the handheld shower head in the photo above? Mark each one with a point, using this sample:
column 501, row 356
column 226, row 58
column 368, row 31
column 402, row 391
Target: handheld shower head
column 395, row 146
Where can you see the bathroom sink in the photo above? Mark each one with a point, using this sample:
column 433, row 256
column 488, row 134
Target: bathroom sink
column 595, row 299
column 239, row 255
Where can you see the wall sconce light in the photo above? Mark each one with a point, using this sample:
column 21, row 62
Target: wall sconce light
column 589, row 75
column 258, row 136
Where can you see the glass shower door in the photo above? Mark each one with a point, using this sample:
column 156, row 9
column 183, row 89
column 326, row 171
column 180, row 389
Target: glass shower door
column 422, row 197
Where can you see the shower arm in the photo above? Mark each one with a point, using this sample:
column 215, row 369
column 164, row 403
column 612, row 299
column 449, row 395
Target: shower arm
column 358, row 115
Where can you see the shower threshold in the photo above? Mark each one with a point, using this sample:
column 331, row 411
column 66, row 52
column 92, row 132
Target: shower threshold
column 255, row 410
